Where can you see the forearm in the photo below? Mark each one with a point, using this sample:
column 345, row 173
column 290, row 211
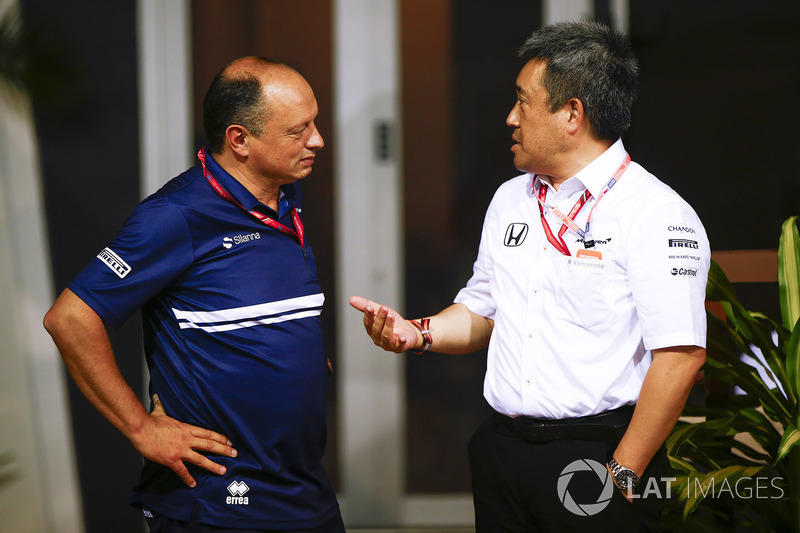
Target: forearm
column 457, row 330
column 84, row 345
column 663, row 396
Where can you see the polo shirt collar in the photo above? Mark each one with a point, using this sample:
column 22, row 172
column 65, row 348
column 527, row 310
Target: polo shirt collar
column 241, row 194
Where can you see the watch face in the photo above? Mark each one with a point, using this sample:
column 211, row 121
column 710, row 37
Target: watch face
column 626, row 479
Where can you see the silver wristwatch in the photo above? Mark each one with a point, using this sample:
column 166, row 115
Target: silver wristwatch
column 625, row 477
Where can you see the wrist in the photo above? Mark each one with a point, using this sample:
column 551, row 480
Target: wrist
column 424, row 338
column 624, row 478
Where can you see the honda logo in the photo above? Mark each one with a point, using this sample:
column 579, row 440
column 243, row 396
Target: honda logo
column 515, row 234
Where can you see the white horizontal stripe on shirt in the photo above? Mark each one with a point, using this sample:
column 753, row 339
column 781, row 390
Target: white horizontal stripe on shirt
column 251, row 315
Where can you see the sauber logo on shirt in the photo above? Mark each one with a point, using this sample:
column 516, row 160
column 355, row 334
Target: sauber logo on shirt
column 229, row 242
column 515, row 234
column 114, row 262
column 238, row 489
column 683, row 243
column 684, row 272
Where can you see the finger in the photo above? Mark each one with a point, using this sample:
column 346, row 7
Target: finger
column 389, row 336
column 212, row 446
column 183, row 473
column 206, row 464
column 379, row 323
column 210, row 435
column 359, row 302
column 369, row 318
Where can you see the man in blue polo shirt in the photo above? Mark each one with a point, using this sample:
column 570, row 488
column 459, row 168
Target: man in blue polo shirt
column 217, row 262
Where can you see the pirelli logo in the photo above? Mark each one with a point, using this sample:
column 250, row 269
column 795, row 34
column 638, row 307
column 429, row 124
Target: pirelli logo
column 114, row 262
column 683, row 243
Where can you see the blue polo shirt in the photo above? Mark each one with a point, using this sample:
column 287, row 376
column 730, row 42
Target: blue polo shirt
column 233, row 341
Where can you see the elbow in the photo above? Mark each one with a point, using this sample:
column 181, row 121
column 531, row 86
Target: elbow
column 700, row 358
column 51, row 321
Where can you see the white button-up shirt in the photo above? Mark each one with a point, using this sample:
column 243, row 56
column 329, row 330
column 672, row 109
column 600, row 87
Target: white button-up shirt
column 572, row 335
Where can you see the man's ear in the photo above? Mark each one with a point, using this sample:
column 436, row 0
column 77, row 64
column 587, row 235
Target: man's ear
column 575, row 115
column 236, row 137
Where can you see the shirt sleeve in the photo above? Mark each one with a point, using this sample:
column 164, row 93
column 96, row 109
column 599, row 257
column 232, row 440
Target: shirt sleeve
column 668, row 269
column 477, row 295
column 151, row 250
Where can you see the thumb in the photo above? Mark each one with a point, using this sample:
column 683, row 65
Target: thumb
column 359, row 302
column 158, row 408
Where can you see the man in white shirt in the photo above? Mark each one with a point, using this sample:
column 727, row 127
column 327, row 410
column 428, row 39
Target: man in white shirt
column 589, row 291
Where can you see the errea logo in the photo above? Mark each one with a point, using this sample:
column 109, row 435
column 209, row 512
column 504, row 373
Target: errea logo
column 230, row 242
column 238, row 489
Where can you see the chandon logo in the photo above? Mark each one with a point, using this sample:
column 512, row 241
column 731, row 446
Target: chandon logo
column 515, row 234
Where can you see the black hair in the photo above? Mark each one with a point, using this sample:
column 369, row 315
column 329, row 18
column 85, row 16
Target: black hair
column 591, row 62
column 235, row 99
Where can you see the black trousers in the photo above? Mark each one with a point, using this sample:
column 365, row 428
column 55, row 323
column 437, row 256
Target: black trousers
column 549, row 476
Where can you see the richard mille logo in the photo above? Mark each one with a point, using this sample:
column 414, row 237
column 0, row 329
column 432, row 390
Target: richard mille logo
column 515, row 234
column 238, row 489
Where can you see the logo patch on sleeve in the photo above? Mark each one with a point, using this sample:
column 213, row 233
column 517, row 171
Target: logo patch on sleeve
column 114, row 262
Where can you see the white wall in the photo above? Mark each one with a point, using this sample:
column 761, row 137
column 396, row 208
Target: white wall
column 42, row 494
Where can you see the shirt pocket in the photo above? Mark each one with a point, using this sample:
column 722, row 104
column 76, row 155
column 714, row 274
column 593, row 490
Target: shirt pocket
column 586, row 294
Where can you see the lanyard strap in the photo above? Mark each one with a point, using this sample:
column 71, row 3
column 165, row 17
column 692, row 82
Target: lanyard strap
column 568, row 221
column 220, row 190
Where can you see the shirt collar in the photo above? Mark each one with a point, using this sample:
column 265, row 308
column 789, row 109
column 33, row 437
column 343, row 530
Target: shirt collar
column 594, row 176
column 240, row 192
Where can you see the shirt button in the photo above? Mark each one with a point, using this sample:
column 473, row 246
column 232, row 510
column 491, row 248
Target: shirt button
column 528, row 382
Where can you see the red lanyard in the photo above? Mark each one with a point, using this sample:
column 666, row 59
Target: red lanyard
column 569, row 220
column 220, row 190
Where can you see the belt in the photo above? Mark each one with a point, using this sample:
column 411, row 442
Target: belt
column 602, row 426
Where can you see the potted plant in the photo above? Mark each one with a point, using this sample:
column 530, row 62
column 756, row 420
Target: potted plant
column 738, row 468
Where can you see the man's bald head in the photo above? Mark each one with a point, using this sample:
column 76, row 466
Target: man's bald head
column 239, row 94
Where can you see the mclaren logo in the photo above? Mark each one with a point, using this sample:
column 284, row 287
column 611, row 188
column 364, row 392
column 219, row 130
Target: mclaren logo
column 114, row 262
column 238, row 489
column 515, row 234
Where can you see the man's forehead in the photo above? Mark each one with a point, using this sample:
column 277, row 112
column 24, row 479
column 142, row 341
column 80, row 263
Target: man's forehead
column 530, row 75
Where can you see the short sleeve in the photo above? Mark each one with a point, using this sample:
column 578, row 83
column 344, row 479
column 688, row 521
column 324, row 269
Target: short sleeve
column 668, row 269
column 151, row 250
column 477, row 294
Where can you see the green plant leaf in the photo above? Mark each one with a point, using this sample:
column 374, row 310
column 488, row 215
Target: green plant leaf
column 791, row 438
column 793, row 362
column 700, row 487
column 789, row 272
